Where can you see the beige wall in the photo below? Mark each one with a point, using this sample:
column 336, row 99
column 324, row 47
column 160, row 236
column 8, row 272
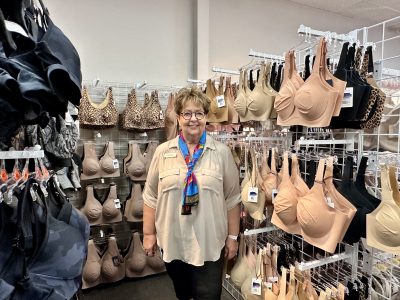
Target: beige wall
column 157, row 40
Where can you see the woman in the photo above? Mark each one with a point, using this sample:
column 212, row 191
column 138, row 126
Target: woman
column 191, row 203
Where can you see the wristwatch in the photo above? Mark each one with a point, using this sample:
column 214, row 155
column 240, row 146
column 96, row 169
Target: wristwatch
column 233, row 237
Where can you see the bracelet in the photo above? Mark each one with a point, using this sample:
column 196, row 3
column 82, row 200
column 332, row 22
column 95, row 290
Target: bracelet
column 233, row 237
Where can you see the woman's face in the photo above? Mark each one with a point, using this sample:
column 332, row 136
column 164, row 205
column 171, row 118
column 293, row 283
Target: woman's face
column 193, row 128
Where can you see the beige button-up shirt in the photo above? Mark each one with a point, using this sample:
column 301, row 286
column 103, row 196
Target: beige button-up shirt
column 198, row 237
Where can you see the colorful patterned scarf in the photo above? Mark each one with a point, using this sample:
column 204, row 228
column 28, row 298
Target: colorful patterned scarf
column 190, row 195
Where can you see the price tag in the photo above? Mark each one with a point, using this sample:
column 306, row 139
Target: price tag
column 274, row 193
column 102, row 180
column 348, row 97
column 242, row 172
column 117, row 203
column 115, row 163
column 161, row 115
column 272, row 279
column 101, row 233
column 256, row 286
column 253, row 195
column 329, row 202
column 220, row 101
column 268, row 285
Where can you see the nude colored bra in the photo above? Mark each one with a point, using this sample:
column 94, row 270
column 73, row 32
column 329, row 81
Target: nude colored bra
column 98, row 213
column 136, row 164
column 216, row 114
column 269, row 175
column 92, row 167
column 103, row 267
column 233, row 117
column 383, row 229
column 313, row 103
column 148, row 116
column 170, row 119
column 93, row 114
column 137, row 264
column 260, row 102
column 134, row 204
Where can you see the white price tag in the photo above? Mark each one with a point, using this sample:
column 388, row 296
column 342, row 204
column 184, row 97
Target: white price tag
column 161, row 115
column 348, row 97
column 329, row 202
column 268, row 285
column 115, row 163
column 220, row 101
column 101, row 233
column 117, row 203
column 242, row 172
column 256, row 286
column 272, row 279
column 253, row 195
column 102, row 180
column 274, row 193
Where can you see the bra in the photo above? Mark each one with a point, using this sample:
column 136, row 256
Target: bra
column 154, row 117
column 136, row 164
column 216, row 114
column 137, row 264
column 233, row 117
column 242, row 95
column 97, row 115
column 105, row 267
column 269, row 176
column 257, row 106
column 92, row 167
column 285, row 205
column 254, row 206
column 170, row 119
column 134, row 204
column 245, row 263
column 97, row 213
column 383, row 230
column 256, row 272
column 313, row 103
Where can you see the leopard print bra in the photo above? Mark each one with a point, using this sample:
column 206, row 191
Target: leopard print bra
column 91, row 114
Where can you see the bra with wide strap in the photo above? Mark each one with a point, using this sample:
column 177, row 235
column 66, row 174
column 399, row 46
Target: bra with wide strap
column 137, row 264
column 134, row 204
column 233, row 117
column 269, row 175
column 245, row 262
column 92, row 167
column 105, row 267
column 313, row 103
column 136, row 164
column 170, row 119
column 154, row 117
column 383, row 229
column 216, row 114
column 105, row 213
column 242, row 95
column 97, row 115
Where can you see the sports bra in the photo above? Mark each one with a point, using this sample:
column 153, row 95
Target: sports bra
column 285, row 205
column 134, row 204
column 233, row 117
column 216, row 114
column 137, row 264
column 255, row 209
column 92, row 114
column 383, row 229
column 153, row 114
column 268, row 175
column 105, row 213
column 92, row 167
column 259, row 103
column 103, row 267
column 256, row 272
column 242, row 95
column 313, row 103
column 136, row 164
column 170, row 119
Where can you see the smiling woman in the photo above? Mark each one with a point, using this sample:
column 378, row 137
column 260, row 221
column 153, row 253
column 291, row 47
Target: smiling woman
column 191, row 201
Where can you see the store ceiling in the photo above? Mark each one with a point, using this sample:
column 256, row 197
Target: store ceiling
column 373, row 11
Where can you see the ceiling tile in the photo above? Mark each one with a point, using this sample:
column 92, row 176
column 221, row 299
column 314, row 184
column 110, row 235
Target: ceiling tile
column 369, row 11
column 331, row 6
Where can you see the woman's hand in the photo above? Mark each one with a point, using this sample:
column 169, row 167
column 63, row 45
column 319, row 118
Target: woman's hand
column 231, row 248
column 150, row 244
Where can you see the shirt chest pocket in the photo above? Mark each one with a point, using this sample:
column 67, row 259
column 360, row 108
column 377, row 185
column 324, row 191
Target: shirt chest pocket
column 169, row 180
column 211, row 180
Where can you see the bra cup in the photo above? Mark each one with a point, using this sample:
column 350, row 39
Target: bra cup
column 92, row 208
column 386, row 226
column 269, row 184
column 109, row 209
column 136, row 168
column 112, row 262
column 256, row 103
column 155, row 263
column 137, row 260
column 90, row 166
column 240, row 105
column 137, row 201
column 91, row 271
column 94, row 213
column 107, row 164
column 285, row 207
column 283, row 101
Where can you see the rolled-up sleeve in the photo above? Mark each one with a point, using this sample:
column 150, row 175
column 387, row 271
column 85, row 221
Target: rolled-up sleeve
column 150, row 192
column 231, row 180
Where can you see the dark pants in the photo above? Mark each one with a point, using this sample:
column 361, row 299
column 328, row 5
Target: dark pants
column 199, row 283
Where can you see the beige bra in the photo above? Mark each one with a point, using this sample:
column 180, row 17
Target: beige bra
column 216, row 114
column 97, row 115
column 134, row 204
column 245, row 262
column 269, row 175
column 243, row 93
column 383, row 224
column 136, row 164
column 106, row 213
column 92, row 167
column 170, row 119
column 233, row 117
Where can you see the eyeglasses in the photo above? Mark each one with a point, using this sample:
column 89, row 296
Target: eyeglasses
column 187, row 115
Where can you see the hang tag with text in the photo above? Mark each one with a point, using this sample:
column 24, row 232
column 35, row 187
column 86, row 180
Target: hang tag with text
column 256, row 286
column 117, row 203
column 115, row 163
column 220, row 101
column 253, row 195
column 329, row 202
column 348, row 97
column 161, row 115
column 242, row 172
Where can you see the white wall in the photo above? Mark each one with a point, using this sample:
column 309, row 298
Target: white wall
column 156, row 40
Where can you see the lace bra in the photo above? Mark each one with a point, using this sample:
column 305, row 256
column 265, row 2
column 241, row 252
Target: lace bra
column 97, row 115
column 136, row 164
column 92, row 167
column 97, row 213
column 134, row 204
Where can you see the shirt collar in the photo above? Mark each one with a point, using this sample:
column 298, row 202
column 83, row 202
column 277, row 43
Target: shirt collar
column 210, row 143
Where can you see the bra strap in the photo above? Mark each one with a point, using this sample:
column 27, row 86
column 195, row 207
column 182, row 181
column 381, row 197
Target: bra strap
column 343, row 56
column 370, row 60
column 361, row 169
column 221, row 85
column 287, row 66
column 348, row 170
column 286, row 165
column 319, row 58
column 320, row 171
